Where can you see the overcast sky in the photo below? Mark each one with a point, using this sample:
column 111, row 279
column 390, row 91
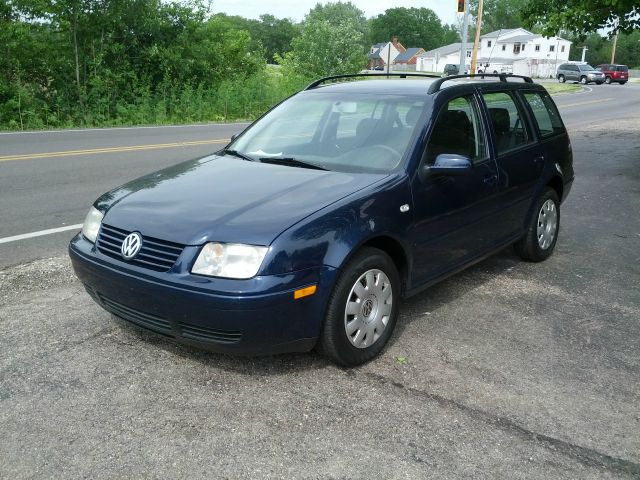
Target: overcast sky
column 297, row 9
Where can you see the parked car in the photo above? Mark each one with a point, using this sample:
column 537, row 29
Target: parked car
column 451, row 69
column 309, row 228
column 579, row 72
column 378, row 67
column 614, row 73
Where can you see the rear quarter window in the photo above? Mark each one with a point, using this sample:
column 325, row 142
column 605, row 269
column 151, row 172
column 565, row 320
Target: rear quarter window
column 545, row 114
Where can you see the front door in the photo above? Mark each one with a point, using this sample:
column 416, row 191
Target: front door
column 453, row 221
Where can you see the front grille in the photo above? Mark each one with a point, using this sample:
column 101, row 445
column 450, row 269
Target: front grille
column 209, row 334
column 164, row 326
column 141, row 319
column 155, row 254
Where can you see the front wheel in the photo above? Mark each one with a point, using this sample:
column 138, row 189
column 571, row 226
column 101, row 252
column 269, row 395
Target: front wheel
column 538, row 242
column 561, row 78
column 607, row 80
column 362, row 309
column 583, row 80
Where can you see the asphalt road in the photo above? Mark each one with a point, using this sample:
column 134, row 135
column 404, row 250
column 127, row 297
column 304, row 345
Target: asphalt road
column 508, row 370
column 49, row 179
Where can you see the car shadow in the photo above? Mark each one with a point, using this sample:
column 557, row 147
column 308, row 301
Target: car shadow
column 428, row 302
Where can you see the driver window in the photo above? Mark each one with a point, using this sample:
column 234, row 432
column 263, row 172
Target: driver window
column 458, row 130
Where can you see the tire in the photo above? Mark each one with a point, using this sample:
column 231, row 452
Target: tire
column 538, row 242
column 561, row 78
column 370, row 284
column 607, row 80
column 583, row 80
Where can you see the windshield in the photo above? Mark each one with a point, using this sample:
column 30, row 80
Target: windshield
column 353, row 133
column 585, row 68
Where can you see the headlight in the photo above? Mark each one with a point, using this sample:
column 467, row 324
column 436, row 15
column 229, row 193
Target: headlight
column 230, row 260
column 92, row 224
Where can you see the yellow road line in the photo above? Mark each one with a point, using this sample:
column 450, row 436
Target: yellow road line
column 602, row 100
column 94, row 151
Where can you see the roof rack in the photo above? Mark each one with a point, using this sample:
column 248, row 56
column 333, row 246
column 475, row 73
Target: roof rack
column 355, row 75
column 435, row 86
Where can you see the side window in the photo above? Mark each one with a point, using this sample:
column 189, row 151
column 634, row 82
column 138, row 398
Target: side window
column 507, row 122
column 545, row 113
column 458, row 130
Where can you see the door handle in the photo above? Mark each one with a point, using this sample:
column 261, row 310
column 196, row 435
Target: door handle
column 538, row 159
column 490, row 179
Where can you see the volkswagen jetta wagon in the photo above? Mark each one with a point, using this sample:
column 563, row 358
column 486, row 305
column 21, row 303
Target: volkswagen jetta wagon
column 309, row 228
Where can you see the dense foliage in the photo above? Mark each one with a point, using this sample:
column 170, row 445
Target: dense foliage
column 414, row 27
column 582, row 17
column 108, row 62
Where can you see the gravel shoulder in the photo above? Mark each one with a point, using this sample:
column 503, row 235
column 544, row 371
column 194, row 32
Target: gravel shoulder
column 508, row 370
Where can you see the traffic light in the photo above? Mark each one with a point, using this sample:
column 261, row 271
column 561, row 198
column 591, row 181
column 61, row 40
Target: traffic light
column 460, row 6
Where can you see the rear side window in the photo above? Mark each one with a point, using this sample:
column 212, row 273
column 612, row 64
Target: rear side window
column 622, row 68
column 506, row 121
column 458, row 130
column 545, row 114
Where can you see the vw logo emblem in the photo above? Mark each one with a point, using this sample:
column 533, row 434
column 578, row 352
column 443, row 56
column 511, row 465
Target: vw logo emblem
column 367, row 307
column 131, row 245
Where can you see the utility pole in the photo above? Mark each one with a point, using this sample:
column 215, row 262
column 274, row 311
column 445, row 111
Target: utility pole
column 615, row 44
column 476, row 43
column 584, row 52
column 465, row 33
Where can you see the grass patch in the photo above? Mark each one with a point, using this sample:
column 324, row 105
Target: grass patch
column 558, row 88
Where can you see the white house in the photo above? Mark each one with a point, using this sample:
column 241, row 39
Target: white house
column 435, row 60
column 511, row 50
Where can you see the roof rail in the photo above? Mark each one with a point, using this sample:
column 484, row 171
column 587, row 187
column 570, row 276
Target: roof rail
column 435, row 86
column 355, row 75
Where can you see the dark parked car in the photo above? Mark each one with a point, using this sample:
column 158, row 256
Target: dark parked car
column 311, row 226
column 614, row 73
column 579, row 72
column 451, row 69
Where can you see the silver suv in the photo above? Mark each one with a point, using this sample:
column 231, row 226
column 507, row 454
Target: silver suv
column 579, row 72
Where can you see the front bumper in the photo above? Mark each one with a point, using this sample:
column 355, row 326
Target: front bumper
column 258, row 316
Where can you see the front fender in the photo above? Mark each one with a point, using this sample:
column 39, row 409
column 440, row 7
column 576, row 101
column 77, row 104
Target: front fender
column 331, row 235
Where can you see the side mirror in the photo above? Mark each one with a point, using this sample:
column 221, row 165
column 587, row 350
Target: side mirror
column 447, row 164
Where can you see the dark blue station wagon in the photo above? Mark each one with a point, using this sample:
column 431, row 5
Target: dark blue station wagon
column 309, row 228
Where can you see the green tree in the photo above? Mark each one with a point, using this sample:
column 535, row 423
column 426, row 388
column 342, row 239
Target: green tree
column 414, row 27
column 582, row 17
column 499, row 14
column 331, row 42
column 275, row 35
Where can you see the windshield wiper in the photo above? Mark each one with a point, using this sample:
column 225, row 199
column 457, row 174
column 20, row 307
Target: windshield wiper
column 236, row 153
column 292, row 162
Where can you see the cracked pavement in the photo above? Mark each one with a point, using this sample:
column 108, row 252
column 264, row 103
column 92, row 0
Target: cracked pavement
column 508, row 370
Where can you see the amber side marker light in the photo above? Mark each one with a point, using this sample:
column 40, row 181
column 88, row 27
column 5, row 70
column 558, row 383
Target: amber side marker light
column 304, row 292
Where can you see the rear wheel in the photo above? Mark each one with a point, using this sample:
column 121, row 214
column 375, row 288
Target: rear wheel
column 538, row 242
column 607, row 80
column 362, row 309
column 561, row 79
column 583, row 80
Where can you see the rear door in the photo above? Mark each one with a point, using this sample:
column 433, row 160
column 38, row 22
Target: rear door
column 519, row 158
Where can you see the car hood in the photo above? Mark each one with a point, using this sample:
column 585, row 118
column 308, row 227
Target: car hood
column 225, row 199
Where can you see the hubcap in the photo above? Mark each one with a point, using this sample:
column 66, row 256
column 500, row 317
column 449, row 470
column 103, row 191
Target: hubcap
column 547, row 224
column 368, row 308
